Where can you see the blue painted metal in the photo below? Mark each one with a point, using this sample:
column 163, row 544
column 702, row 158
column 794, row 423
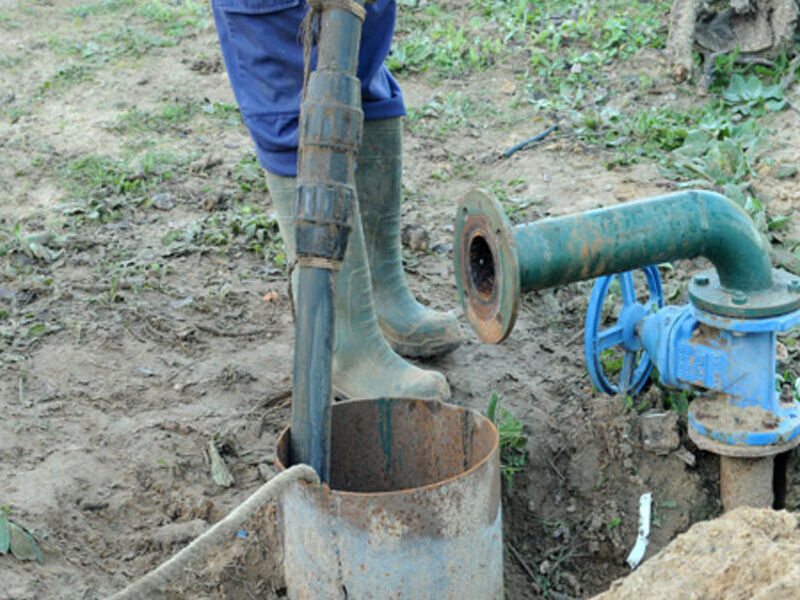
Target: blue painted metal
column 694, row 350
column 636, row 365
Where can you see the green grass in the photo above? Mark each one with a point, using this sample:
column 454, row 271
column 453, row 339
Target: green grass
column 513, row 444
column 105, row 7
column 66, row 77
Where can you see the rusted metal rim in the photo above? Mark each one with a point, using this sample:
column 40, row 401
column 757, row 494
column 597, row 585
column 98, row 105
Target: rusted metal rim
column 487, row 267
column 489, row 453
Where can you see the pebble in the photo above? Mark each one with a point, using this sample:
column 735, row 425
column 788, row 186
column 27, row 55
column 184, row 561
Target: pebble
column 659, row 431
column 163, row 201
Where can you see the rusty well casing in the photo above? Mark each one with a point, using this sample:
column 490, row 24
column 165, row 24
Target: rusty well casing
column 412, row 512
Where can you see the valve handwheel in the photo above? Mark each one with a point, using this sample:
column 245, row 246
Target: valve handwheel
column 636, row 364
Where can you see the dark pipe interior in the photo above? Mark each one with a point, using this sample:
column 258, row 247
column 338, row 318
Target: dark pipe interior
column 779, row 481
column 481, row 266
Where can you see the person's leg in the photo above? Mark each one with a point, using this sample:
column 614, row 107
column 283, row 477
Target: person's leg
column 364, row 366
column 411, row 328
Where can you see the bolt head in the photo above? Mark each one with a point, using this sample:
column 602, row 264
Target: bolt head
column 794, row 285
column 700, row 280
column 739, row 298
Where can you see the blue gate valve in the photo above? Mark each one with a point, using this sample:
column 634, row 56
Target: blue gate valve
column 731, row 360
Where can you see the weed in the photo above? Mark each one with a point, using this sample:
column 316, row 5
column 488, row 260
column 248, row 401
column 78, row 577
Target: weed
column 513, row 457
column 104, row 7
column 243, row 226
column 788, row 378
column 448, row 111
column 66, row 77
column 177, row 18
column 249, row 175
column 613, row 523
column 678, row 401
column 162, row 121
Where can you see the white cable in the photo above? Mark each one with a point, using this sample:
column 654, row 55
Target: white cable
column 146, row 586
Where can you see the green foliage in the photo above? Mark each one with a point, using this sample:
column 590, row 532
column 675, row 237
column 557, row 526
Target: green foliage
column 104, row 7
column 513, row 456
column 249, row 175
column 611, row 359
column 448, row 111
column 748, row 96
column 788, row 377
column 243, row 226
column 17, row 540
column 101, row 176
column 678, row 400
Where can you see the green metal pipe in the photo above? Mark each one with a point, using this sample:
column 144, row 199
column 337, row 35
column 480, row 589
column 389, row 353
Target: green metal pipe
column 496, row 262
column 611, row 240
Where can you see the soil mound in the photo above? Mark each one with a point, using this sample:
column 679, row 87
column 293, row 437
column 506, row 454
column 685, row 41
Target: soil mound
column 746, row 554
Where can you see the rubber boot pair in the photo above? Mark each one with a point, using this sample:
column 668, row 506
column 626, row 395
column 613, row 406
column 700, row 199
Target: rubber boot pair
column 364, row 364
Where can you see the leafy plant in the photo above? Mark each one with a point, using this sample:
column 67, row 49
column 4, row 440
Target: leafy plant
column 17, row 540
column 788, row 377
column 513, row 456
column 748, row 96
column 678, row 401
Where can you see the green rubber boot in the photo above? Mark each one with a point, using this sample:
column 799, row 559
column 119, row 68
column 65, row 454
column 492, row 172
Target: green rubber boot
column 364, row 366
column 411, row 328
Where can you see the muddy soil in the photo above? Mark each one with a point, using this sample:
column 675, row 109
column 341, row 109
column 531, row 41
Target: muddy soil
column 123, row 356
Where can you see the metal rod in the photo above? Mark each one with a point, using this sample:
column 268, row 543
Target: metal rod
column 311, row 420
column 330, row 132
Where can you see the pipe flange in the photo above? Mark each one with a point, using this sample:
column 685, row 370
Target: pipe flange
column 487, row 267
column 707, row 293
column 718, row 426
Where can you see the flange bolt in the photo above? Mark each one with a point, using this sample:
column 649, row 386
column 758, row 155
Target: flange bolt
column 739, row 298
column 794, row 285
column 701, row 280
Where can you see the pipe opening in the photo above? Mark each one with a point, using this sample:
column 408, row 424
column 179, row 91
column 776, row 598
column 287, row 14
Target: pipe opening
column 481, row 267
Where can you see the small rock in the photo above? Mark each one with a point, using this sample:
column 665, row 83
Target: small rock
column 686, row 456
column 659, row 431
column 544, row 568
column 93, row 505
column 182, row 302
column 266, row 470
column 163, row 201
column 416, row 238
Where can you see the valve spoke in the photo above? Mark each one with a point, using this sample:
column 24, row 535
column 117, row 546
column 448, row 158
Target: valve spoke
column 628, row 291
column 608, row 338
column 628, row 367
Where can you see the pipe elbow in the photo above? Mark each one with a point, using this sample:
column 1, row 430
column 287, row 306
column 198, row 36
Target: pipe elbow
column 733, row 244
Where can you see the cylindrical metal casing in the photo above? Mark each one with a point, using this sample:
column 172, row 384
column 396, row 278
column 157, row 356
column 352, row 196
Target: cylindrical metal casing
column 413, row 511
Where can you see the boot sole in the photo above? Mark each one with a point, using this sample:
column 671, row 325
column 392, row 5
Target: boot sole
column 431, row 350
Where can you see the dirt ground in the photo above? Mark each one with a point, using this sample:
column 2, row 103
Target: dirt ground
column 123, row 355
column 747, row 553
